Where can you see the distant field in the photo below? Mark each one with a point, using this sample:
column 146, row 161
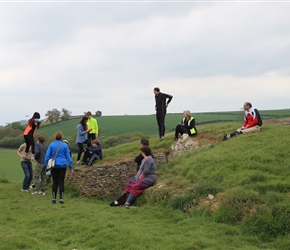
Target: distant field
column 10, row 165
column 146, row 124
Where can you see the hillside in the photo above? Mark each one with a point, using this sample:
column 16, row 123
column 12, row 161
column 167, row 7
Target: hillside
column 226, row 195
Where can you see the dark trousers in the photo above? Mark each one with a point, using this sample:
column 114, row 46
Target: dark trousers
column 58, row 175
column 160, row 117
column 180, row 130
column 29, row 140
column 92, row 137
column 81, row 148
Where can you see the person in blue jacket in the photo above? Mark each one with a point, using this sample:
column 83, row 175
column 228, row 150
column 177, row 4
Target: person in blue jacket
column 62, row 159
column 82, row 137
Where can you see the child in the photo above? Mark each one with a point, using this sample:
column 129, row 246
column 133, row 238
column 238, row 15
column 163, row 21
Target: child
column 93, row 153
column 33, row 124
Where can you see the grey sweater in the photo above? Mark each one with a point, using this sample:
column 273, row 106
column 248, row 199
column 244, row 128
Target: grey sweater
column 147, row 171
column 40, row 151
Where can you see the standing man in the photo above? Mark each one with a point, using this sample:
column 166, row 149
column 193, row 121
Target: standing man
column 252, row 121
column 39, row 173
column 93, row 125
column 161, row 103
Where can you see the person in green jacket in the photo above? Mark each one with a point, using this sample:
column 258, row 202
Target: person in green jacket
column 93, row 125
column 187, row 125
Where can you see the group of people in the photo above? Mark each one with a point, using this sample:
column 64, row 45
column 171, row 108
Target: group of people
column 88, row 133
column 58, row 151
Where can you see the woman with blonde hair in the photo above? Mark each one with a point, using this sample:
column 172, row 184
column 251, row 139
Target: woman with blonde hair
column 187, row 125
column 61, row 152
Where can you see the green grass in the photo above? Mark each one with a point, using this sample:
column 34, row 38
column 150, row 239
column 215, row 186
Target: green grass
column 248, row 175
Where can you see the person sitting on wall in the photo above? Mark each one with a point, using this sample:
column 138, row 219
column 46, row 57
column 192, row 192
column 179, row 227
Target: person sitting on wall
column 145, row 178
column 93, row 153
column 187, row 125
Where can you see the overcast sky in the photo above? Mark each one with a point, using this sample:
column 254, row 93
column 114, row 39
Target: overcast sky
column 108, row 56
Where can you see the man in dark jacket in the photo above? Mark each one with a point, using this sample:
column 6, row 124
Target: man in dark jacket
column 161, row 103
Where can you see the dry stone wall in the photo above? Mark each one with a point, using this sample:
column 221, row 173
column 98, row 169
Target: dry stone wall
column 110, row 180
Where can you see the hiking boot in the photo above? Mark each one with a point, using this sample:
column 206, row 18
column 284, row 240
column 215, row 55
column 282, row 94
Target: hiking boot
column 127, row 206
column 61, row 201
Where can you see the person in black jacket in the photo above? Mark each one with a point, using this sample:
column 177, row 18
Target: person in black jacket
column 161, row 103
column 187, row 125
column 93, row 153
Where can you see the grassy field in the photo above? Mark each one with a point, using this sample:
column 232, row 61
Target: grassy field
column 249, row 177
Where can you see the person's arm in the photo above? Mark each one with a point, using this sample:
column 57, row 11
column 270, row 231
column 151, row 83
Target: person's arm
column 169, row 97
column 81, row 131
column 42, row 119
column 68, row 158
column 191, row 125
column 47, row 155
column 146, row 168
column 19, row 152
column 37, row 151
column 97, row 129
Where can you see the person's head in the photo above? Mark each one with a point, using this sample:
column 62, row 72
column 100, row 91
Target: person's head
column 89, row 114
column 156, row 91
column 95, row 142
column 186, row 114
column 144, row 142
column 58, row 135
column 83, row 122
column 247, row 106
column 36, row 115
column 146, row 151
column 40, row 139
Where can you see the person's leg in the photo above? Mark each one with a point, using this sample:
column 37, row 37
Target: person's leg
column 92, row 158
column 158, row 119
column 27, row 142
column 55, row 178
column 61, row 177
column 81, row 149
column 86, row 156
column 251, row 130
column 163, row 124
column 27, row 178
column 30, row 172
column 136, row 190
column 121, row 201
column 43, row 179
column 37, row 176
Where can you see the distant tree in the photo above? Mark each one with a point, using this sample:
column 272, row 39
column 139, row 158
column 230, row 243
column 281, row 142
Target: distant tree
column 98, row 113
column 65, row 114
column 17, row 125
column 51, row 117
column 55, row 115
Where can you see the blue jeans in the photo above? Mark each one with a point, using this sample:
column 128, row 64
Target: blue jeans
column 27, row 169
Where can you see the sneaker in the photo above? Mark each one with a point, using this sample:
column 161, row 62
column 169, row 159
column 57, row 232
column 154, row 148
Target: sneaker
column 37, row 192
column 43, row 193
column 162, row 138
column 53, row 201
column 127, row 206
column 24, row 190
column 114, row 204
column 79, row 162
column 61, row 201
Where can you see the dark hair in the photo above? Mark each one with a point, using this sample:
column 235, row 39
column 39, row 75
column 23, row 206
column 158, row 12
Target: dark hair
column 36, row 115
column 58, row 135
column 249, row 104
column 83, row 122
column 41, row 139
column 146, row 150
column 144, row 142
column 157, row 89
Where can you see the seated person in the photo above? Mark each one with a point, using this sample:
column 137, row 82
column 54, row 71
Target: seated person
column 187, row 125
column 252, row 121
column 145, row 178
column 92, row 153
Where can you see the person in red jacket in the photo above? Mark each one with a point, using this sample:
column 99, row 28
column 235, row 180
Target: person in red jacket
column 252, row 121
